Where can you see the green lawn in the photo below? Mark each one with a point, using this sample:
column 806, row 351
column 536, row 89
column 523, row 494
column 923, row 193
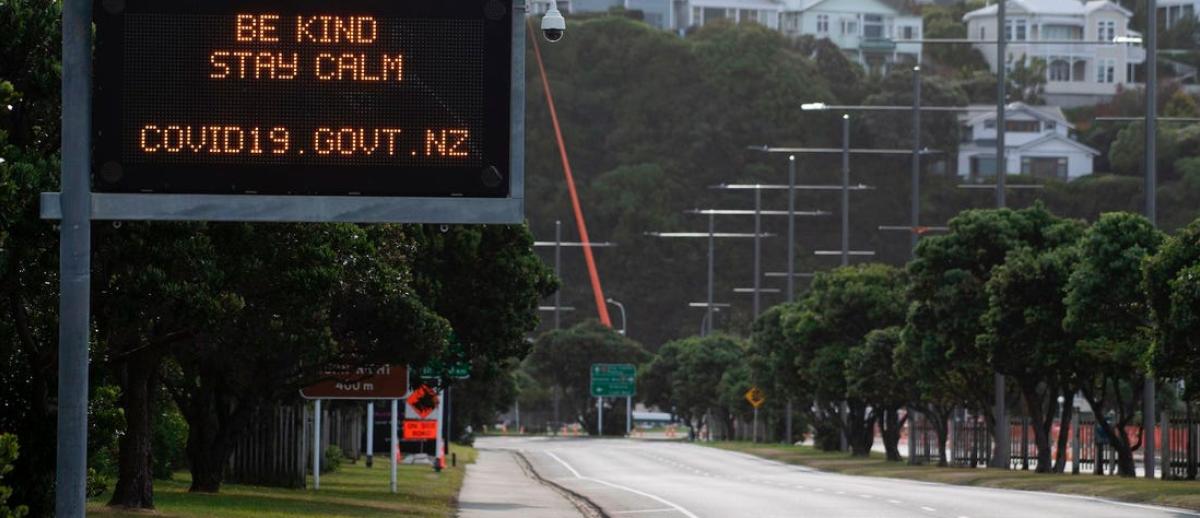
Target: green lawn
column 353, row 491
column 1185, row 494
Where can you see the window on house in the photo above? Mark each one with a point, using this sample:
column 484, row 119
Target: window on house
column 822, row 23
column 983, row 32
column 1059, row 70
column 983, row 166
column 849, row 26
column 989, row 124
column 872, row 26
column 711, row 14
column 697, row 16
column 1106, row 30
column 1018, row 126
column 908, row 32
column 1106, row 71
column 1044, row 167
column 747, row 15
column 1050, row 126
column 1015, row 28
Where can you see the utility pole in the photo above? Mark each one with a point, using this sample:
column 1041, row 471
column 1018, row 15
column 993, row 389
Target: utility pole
column 1000, row 456
column 846, row 190
column 1149, row 396
column 712, row 245
column 791, row 270
column 557, row 272
column 757, row 250
column 915, row 218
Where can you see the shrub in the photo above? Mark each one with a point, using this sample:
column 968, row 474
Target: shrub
column 9, row 451
column 332, row 460
column 170, row 443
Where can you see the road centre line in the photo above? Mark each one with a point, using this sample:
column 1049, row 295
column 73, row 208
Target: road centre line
column 659, row 499
column 928, row 509
column 644, row 511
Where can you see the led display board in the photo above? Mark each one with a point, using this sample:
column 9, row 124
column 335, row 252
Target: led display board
column 303, row 97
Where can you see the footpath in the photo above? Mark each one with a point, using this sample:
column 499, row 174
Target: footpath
column 498, row 485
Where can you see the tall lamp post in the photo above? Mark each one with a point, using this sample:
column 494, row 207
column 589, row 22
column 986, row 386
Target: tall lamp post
column 558, row 245
column 624, row 323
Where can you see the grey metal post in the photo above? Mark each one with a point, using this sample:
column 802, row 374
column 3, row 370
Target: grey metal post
column 600, row 417
column 75, row 267
column 915, row 209
column 846, row 190
column 787, row 428
column 1151, row 156
column 712, row 243
column 316, row 453
column 791, row 246
column 557, row 271
column 1165, row 449
column 757, row 249
column 393, row 445
column 1076, row 446
column 370, row 433
column 628, row 415
column 754, row 429
column 1003, row 447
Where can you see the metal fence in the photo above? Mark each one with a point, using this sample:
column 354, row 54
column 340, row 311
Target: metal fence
column 970, row 441
column 274, row 450
column 1179, row 442
column 923, row 433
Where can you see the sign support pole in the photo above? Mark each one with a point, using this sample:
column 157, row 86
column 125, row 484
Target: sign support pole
column 74, row 259
column 754, row 432
column 628, row 415
column 393, row 445
column 370, row 433
column 439, row 455
column 316, row 454
column 600, row 416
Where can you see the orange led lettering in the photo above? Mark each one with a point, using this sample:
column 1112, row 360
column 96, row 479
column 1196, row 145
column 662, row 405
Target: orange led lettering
column 287, row 69
column 460, row 137
column 196, row 147
column 324, row 141
column 266, row 28
column 346, row 149
column 392, row 134
column 325, row 56
column 394, row 64
column 221, row 68
column 264, row 61
column 363, row 30
column 303, row 27
column 281, row 139
column 227, row 140
column 176, row 133
column 146, row 147
column 255, row 142
column 346, row 62
column 246, row 28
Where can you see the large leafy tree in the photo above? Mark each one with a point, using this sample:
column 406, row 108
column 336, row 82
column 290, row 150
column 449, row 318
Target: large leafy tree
column 1172, row 281
column 948, row 298
column 939, row 130
column 1023, row 332
column 1107, row 310
column 563, row 359
column 771, row 361
column 686, row 378
column 836, row 315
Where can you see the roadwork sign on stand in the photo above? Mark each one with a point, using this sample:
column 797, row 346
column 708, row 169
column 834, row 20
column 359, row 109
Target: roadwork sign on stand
column 756, row 397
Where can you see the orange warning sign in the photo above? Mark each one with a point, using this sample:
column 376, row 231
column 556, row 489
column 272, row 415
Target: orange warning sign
column 423, row 400
column 420, row 430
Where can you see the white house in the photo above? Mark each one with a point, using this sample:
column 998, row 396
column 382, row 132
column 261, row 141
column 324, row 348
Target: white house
column 1037, row 143
column 1076, row 73
column 865, row 30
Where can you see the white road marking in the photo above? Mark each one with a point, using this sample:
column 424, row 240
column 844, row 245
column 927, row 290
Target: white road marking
column 799, row 487
column 928, row 509
column 866, row 496
column 658, row 499
column 897, row 502
column 645, row 511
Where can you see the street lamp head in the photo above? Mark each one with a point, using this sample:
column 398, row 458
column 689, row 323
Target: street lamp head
column 813, row 106
column 1128, row 39
column 917, row 68
column 792, row 158
column 846, row 116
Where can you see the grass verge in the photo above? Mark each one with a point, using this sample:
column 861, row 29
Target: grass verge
column 1183, row 494
column 352, row 491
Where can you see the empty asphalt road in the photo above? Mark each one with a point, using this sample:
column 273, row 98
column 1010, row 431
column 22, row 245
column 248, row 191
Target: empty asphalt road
column 649, row 479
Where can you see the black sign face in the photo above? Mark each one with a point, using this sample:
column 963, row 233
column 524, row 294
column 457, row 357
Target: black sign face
column 303, row 97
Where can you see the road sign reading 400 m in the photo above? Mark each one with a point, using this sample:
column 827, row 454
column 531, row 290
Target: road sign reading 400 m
column 355, row 97
column 614, row 380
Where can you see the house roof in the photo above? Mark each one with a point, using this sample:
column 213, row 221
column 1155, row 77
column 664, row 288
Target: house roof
column 980, row 112
column 1051, row 7
column 1056, row 137
column 804, row 5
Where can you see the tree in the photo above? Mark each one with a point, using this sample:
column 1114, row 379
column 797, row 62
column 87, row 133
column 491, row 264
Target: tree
column 1027, row 81
column 770, row 357
column 1172, row 282
column 1106, row 308
column 564, row 359
column 1023, row 332
column 9, row 453
column 871, row 376
column 947, row 298
column 836, row 315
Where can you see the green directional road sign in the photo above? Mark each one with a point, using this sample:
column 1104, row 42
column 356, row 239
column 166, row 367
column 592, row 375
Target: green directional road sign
column 457, row 370
column 613, row 380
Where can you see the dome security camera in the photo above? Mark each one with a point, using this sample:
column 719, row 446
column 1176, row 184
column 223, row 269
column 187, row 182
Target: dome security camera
column 553, row 24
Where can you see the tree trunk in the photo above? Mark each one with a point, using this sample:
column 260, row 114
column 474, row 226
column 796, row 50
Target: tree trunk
column 1042, row 422
column 138, row 377
column 207, row 454
column 860, row 430
column 1064, row 433
column 890, row 426
column 941, row 424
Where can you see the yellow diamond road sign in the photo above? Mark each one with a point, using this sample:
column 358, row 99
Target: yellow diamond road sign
column 756, row 397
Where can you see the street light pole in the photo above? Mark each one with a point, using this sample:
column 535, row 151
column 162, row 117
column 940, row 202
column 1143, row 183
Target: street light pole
column 915, row 208
column 791, row 246
column 757, row 249
column 1003, row 446
column 624, row 323
column 846, row 190
column 712, row 246
column 1148, row 390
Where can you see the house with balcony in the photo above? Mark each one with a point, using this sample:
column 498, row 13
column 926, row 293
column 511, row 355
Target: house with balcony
column 1077, row 74
column 1037, row 143
column 697, row 13
column 866, row 30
